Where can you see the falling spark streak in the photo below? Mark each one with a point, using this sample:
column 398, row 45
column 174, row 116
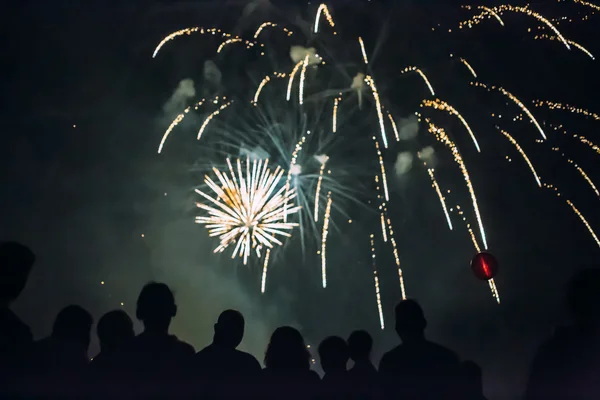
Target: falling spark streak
column 336, row 103
column 418, row 71
column 582, row 172
column 248, row 210
column 175, row 122
column 292, row 165
column 383, row 174
column 376, row 279
column 516, row 101
column 441, row 196
column 566, row 107
column 369, row 80
column 520, row 150
column 585, row 3
column 571, row 42
column 469, row 67
column 587, row 225
column 362, row 48
column 396, row 258
column 228, row 41
column 324, row 240
column 291, row 81
column 264, row 273
column 442, row 105
column 441, row 136
column 302, row 78
column 210, row 117
column 319, row 189
column 383, row 230
column 394, row 127
column 265, row 80
column 189, row 31
column 492, row 12
column 271, row 24
column 323, row 9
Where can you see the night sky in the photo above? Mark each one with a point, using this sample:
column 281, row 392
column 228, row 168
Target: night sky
column 82, row 116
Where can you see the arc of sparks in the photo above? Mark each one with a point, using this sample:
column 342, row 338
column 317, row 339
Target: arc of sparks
column 336, row 103
column 442, row 105
column 369, row 80
column 210, row 117
column 228, row 41
column 323, row 10
column 291, row 80
column 566, row 107
column 318, row 191
column 293, row 161
column 189, row 31
column 587, row 4
column 324, row 240
column 362, row 49
column 396, row 258
column 264, row 273
column 383, row 174
column 302, row 79
column 522, row 152
column 440, row 195
column 176, row 122
column 423, row 76
column 466, row 63
column 376, row 280
column 264, row 82
column 394, row 127
column 493, row 13
column 273, row 25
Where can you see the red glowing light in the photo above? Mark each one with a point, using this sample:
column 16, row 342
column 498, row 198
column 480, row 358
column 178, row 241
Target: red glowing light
column 484, row 266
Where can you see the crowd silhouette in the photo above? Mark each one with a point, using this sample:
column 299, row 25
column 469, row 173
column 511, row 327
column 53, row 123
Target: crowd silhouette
column 156, row 364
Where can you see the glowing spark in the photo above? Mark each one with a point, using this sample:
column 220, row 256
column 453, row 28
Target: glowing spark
column 264, row 274
column 396, row 258
column 440, row 195
column 383, row 174
column 469, row 67
column 247, row 210
column 571, row 42
column 369, row 80
column 291, row 81
column 567, row 107
column 376, row 279
column 323, row 9
column 362, row 48
column 394, row 127
column 520, row 150
column 319, row 189
column 587, row 225
column 175, row 122
column 228, row 41
column 492, row 12
column 442, row 105
column 324, row 240
column 585, row 3
column 336, row 103
column 292, row 166
column 187, row 31
column 265, row 80
column 210, row 117
column 516, row 101
column 441, row 136
column 418, row 71
column 383, row 230
column 302, row 78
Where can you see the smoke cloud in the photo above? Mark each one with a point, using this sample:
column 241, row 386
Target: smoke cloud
column 427, row 154
column 212, row 78
column 403, row 163
column 299, row 53
column 408, row 128
column 185, row 90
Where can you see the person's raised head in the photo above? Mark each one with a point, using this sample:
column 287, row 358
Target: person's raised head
column 73, row 324
column 16, row 261
column 229, row 329
column 156, row 307
column 360, row 344
column 582, row 297
column 287, row 350
column 410, row 320
column 333, row 352
column 114, row 329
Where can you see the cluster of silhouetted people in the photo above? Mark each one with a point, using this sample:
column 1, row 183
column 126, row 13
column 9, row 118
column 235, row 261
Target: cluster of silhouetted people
column 156, row 364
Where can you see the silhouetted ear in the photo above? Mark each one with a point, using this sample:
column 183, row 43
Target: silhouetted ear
column 174, row 311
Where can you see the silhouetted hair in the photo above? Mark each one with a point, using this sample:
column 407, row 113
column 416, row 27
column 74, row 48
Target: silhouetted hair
column 582, row 294
column 333, row 352
column 360, row 344
column 16, row 261
column 287, row 350
column 114, row 328
column 73, row 323
column 229, row 329
column 409, row 316
column 155, row 302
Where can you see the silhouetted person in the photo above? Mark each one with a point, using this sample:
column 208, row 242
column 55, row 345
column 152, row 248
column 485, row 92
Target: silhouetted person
column 287, row 373
column 60, row 359
column 363, row 375
column 224, row 370
column 418, row 368
column 472, row 381
column 115, row 332
column 334, row 355
column 568, row 365
column 159, row 361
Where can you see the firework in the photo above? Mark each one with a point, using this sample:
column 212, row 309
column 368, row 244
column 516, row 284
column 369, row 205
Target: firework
column 324, row 240
column 210, row 117
column 264, row 273
column 520, row 150
column 320, row 181
column 323, row 10
column 291, row 80
column 466, row 63
column 248, row 210
column 336, row 103
column 383, row 174
column 394, row 127
column 376, row 279
column 371, row 83
column 362, row 49
column 422, row 74
column 440, row 195
column 442, row 105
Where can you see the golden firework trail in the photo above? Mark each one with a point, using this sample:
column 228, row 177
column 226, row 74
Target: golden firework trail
column 369, row 80
column 418, row 71
column 440, row 195
column 211, row 116
column 189, row 31
column 362, row 49
column 466, row 63
column 264, row 273
column 442, row 105
column 571, row 42
column 336, row 103
column 324, row 240
column 263, row 83
column 383, row 229
column 273, row 25
column 579, row 138
column 293, row 161
column 376, row 279
column 323, row 9
column 228, row 41
column 587, row 4
column 248, row 210
column 291, row 80
column 520, row 150
column 492, row 13
column 581, row 171
column 396, row 258
column 318, row 191
column 516, row 101
column 302, row 79
column 442, row 137
column 566, row 107
column 383, row 174
column 394, row 127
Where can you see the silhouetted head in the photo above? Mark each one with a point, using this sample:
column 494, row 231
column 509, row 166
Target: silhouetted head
column 16, row 261
column 333, row 352
column 582, row 297
column 156, row 307
column 360, row 344
column 410, row 320
column 287, row 351
column 114, row 329
column 229, row 329
column 73, row 325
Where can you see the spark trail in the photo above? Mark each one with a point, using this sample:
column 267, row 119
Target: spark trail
column 369, row 80
column 418, row 71
column 324, row 240
column 376, row 280
column 264, row 273
column 520, row 150
column 442, row 105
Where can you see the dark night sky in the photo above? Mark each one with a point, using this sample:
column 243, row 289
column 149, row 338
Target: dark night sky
column 82, row 197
